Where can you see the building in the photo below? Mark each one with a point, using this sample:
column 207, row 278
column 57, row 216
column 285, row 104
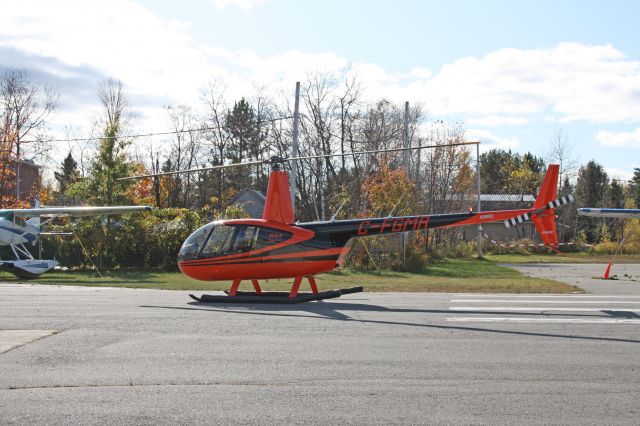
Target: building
column 29, row 173
column 250, row 201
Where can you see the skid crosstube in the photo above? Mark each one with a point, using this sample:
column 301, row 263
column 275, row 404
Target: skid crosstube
column 274, row 296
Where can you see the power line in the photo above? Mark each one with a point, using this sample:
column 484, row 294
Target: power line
column 141, row 135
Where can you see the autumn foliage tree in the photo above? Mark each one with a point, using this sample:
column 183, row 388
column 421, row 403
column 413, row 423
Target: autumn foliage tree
column 25, row 107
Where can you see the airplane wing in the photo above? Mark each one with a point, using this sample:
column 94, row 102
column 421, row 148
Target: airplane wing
column 77, row 211
column 614, row 213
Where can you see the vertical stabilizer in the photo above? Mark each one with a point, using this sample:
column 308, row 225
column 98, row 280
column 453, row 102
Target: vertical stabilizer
column 549, row 189
column 34, row 221
column 545, row 220
column 277, row 207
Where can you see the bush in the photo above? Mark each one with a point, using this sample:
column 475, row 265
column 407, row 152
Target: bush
column 142, row 240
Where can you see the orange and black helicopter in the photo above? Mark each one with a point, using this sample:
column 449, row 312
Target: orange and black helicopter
column 277, row 246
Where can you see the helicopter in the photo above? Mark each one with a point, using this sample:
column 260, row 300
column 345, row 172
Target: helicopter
column 278, row 246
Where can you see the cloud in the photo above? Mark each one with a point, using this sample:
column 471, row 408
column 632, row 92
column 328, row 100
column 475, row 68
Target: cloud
column 490, row 141
column 245, row 5
column 618, row 174
column 497, row 120
column 159, row 61
column 619, row 139
column 573, row 81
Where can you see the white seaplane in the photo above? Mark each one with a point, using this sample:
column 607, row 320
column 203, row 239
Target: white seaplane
column 23, row 226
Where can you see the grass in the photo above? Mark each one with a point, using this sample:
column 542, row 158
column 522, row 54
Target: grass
column 450, row 275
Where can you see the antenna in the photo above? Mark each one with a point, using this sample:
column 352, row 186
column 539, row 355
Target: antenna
column 396, row 205
column 333, row 218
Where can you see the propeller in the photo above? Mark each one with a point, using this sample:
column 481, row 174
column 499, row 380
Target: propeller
column 276, row 161
column 550, row 205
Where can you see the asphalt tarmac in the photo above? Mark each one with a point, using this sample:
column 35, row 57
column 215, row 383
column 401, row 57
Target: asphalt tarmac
column 132, row 356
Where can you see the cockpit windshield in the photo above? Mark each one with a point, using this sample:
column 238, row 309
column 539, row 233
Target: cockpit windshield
column 221, row 240
column 193, row 245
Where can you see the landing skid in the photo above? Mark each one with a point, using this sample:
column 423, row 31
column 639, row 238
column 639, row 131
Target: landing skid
column 276, row 297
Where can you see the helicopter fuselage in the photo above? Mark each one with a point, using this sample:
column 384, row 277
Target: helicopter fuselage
column 261, row 249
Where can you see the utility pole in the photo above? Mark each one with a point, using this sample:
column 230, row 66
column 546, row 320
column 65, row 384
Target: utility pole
column 294, row 148
column 405, row 140
column 406, row 158
column 17, row 171
column 479, row 206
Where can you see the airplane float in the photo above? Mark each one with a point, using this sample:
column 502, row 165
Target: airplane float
column 23, row 226
column 277, row 246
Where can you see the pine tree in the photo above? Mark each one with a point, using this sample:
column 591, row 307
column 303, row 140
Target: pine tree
column 68, row 173
column 634, row 186
column 591, row 191
column 615, row 200
column 244, row 143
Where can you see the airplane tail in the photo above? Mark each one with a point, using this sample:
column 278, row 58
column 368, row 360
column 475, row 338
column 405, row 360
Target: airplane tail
column 543, row 212
column 34, row 221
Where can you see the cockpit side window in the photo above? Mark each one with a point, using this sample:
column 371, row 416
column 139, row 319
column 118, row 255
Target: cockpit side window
column 268, row 236
column 218, row 242
column 244, row 239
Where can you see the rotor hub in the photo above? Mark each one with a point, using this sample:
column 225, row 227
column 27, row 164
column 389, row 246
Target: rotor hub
column 276, row 163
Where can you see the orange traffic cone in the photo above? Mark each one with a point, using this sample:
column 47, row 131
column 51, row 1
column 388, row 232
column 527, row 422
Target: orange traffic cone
column 606, row 271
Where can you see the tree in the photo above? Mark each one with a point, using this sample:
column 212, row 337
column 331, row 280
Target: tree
column 561, row 152
column 110, row 162
column 102, row 185
column 184, row 154
column 591, row 191
column 496, row 167
column 25, row 107
column 634, row 186
column 244, row 142
column 615, row 200
column 504, row 172
column 68, row 173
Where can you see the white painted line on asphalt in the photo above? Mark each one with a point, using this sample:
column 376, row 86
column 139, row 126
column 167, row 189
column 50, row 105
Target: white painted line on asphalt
column 546, row 301
column 538, row 309
column 548, row 320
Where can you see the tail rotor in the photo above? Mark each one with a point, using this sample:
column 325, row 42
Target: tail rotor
column 543, row 213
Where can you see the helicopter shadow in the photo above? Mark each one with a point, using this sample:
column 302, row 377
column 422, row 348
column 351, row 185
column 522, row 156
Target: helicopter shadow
column 335, row 311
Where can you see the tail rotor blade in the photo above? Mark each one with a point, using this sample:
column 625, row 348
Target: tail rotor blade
column 560, row 202
column 516, row 220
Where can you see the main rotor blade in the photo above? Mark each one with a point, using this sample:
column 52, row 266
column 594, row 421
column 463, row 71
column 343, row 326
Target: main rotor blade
column 201, row 169
column 377, row 151
column 304, row 157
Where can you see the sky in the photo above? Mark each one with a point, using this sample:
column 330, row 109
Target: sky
column 515, row 73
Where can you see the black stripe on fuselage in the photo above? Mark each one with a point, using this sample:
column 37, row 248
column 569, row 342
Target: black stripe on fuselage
column 339, row 232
